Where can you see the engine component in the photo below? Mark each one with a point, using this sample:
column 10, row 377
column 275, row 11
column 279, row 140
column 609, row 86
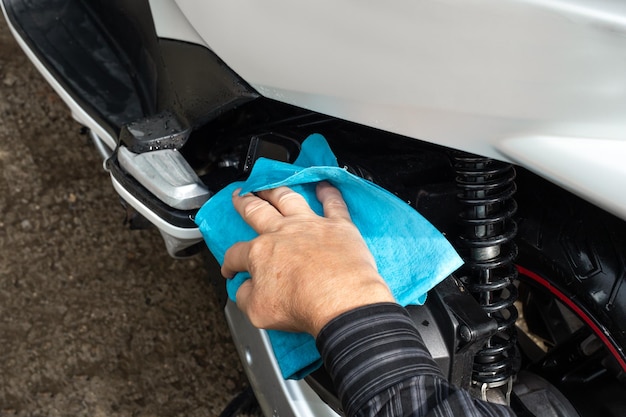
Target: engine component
column 486, row 195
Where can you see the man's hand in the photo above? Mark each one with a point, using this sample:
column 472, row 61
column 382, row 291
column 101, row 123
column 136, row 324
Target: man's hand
column 305, row 269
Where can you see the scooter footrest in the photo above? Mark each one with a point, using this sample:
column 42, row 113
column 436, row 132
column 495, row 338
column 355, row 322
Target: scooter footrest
column 167, row 175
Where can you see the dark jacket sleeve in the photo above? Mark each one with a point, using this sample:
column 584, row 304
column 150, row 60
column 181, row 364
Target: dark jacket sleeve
column 381, row 367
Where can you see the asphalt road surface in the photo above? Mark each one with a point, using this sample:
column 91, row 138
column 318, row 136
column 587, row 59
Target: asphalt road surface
column 95, row 319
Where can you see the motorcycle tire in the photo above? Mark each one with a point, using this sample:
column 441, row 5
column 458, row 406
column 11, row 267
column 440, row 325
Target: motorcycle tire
column 573, row 255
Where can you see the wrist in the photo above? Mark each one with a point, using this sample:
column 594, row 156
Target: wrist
column 372, row 293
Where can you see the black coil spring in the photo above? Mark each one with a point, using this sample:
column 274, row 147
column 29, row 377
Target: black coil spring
column 486, row 240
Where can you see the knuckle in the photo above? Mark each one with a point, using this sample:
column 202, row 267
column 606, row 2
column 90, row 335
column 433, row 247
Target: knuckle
column 257, row 248
column 253, row 207
column 336, row 202
column 260, row 254
column 287, row 196
column 256, row 316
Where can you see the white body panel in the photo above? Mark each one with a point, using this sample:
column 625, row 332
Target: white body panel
column 485, row 76
column 172, row 24
column 277, row 397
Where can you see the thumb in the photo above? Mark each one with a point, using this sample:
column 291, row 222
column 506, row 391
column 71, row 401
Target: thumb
column 243, row 295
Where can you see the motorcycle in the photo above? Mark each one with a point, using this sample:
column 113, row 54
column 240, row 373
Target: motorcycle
column 502, row 123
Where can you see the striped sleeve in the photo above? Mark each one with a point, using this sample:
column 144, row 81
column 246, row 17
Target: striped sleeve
column 381, row 367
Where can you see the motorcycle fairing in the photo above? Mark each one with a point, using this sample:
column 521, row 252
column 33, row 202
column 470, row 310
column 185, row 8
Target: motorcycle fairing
column 469, row 75
column 523, row 70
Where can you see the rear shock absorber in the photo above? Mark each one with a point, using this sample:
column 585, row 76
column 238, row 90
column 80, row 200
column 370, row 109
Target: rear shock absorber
column 486, row 189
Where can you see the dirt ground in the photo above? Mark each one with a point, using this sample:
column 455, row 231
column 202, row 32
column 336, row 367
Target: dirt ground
column 95, row 319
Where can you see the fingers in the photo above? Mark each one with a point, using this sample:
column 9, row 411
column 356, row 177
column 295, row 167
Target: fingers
column 243, row 295
column 286, row 201
column 257, row 212
column 332, row 201
column 266, row 215
column 236, row 259
column 263, row 212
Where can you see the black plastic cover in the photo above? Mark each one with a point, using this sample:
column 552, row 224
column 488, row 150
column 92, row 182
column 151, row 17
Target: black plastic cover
column 162, row 131
column 108, row 57
column 70, row 43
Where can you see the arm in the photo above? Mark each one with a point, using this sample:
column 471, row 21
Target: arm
column 315, row 274
column 381, row 367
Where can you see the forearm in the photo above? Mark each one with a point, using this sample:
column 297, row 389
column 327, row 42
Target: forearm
column 381, row 366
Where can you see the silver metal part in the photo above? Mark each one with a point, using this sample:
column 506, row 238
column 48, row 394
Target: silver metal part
column 277, row 397
column 176, row 246
column 176, row 238
column 167, row 175
column 498, row 392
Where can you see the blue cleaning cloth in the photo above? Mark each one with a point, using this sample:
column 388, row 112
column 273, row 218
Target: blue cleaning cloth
column 411, row 255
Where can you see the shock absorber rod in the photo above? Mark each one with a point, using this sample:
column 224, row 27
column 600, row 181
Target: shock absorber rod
column 486, row 189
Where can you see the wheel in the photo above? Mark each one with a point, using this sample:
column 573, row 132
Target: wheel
column 571, row 266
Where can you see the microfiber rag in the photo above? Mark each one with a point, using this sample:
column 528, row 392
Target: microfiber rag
column 411, row 255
